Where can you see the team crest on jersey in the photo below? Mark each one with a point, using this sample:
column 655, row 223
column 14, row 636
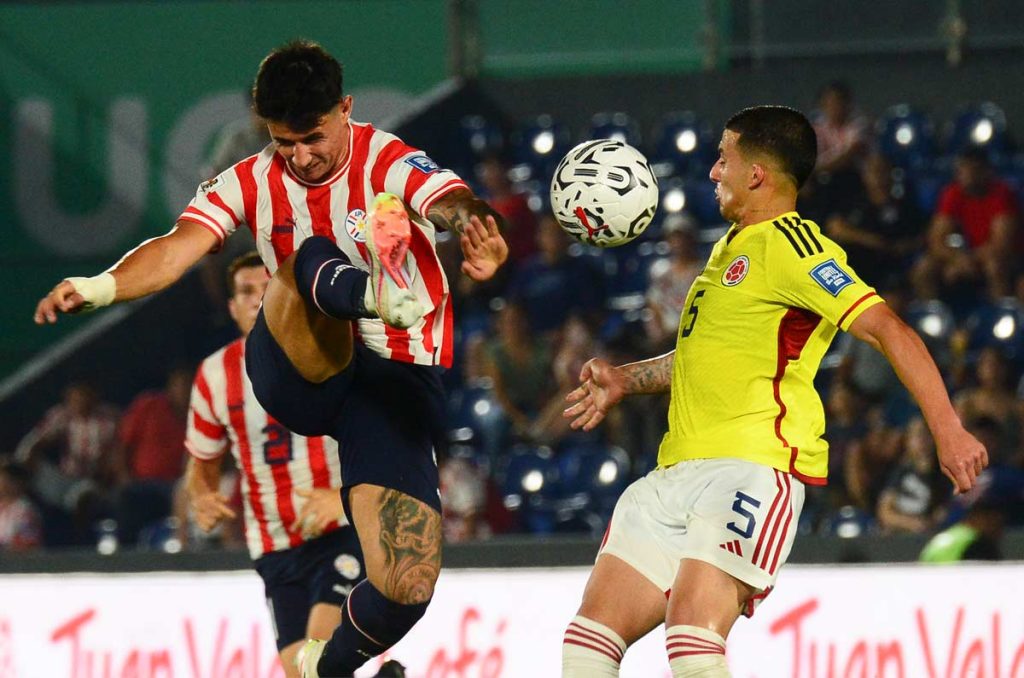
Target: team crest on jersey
column 736, row 271
column 355, row 224
column 423, row 163
column 347, row 566
column 831, row 277
column 210, row 184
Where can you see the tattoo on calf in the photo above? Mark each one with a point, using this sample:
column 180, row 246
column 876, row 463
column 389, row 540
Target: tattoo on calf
column 410, row 535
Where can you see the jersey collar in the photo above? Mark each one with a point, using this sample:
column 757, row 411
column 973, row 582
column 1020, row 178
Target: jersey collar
column 735, row 236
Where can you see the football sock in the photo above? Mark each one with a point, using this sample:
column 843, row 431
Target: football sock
column 590, row 649
column 370, row 624
column 695, row 652
column 327, row 279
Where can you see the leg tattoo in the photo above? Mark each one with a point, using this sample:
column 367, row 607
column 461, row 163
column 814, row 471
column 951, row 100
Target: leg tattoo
column 410, row 535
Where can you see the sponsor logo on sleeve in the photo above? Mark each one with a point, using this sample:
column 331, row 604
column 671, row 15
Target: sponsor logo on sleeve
column 211, row 184
column 423, row 164
column 736, row 271
column 832, row 278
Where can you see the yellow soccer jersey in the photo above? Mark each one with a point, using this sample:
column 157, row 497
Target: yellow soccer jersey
column 756, row 323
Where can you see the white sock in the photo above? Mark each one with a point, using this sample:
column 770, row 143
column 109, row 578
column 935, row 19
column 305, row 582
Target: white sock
column 591, row 650
column 695, row 652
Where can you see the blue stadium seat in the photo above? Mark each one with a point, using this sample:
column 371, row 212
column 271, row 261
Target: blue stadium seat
column 614, row 125
column 527, row 480
column 981, row 125
column 537, row 146
column 475, row 416
column 479, row 137
column 906, row 136
column 696, row 196
column 999, row 324
column 683, row 146
column 596, row 472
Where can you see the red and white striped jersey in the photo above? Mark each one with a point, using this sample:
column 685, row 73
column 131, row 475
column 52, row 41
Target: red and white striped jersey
column 281, row 210
column 224, row 414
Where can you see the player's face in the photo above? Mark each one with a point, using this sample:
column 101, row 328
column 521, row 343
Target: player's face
column 315, row 154
column 731, row 174
column 250, row 284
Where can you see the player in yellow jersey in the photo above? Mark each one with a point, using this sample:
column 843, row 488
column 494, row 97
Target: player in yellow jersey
column 700, row 539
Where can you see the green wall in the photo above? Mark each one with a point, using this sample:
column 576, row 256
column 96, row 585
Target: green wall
column 148, row 85
column 584, row 37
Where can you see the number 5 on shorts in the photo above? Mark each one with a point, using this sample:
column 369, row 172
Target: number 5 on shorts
column 737, row 506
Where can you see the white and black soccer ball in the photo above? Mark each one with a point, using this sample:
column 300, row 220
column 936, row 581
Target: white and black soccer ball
column 604, row 193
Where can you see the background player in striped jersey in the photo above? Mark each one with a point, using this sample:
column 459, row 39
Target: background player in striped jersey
column 356, row 322
column 700, row 539
column 309, row 559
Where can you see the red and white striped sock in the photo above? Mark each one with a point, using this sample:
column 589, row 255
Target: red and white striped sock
column 695, row 652
column 591, row 650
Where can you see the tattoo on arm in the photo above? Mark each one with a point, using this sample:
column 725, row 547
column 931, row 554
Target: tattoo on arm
column 650, row 376
column 453, row 210
column 410, row 536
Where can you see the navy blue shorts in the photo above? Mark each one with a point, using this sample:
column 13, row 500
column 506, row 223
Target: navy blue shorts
column 323, row 570
column 387, row 416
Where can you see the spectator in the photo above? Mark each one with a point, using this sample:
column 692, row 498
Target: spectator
column 841, row 130
column 520, row 221
column 670, row 280
column 977, row 536
column 518, row 363
column 973, row 236
column 151, row 454
column 71, row 456
column 551, row 285
column 882, row 228
column 842, row 135
column 871, row 459
column 914, row 498
column 20, row 524
column 991, row 396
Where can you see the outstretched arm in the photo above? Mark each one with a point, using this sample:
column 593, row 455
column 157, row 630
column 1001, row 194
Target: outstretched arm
column 961, row 456
column 476, row 223
column 602, row 386
column 150, row 267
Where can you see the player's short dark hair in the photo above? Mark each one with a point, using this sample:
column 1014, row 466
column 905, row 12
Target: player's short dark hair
column 297, row 84
column 248, row 260
column 781, row 133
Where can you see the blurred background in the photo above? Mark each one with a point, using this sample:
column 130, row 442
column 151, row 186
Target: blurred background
column 111, row 113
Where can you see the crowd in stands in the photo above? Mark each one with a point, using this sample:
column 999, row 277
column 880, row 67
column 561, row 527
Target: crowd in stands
column 935, row 228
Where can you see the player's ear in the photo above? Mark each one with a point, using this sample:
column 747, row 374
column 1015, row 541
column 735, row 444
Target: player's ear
column 757, row 175
column 345, row 106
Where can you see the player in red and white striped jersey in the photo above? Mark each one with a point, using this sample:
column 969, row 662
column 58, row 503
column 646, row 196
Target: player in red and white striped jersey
column 299, row 540
column 374, row 386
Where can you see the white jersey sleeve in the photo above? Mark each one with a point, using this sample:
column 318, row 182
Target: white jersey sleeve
column 206, row 434
column 410, row 174
column 219, row 204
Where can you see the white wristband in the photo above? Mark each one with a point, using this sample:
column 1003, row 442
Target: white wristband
column 98, row 291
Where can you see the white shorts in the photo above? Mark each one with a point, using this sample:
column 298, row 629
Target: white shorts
column 739, row 516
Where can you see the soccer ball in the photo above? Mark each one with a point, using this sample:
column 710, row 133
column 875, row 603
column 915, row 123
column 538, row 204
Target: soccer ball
column 603, row 193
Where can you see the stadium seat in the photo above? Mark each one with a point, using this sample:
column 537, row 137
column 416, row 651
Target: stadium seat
column 683, row 146
column 479, row 137
column 906, row 136
column 475, row 416
column 982, row 125
column 998, row 324
column 527, row 480
column 597, row 472
column 618, row 126
column 537, row 146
